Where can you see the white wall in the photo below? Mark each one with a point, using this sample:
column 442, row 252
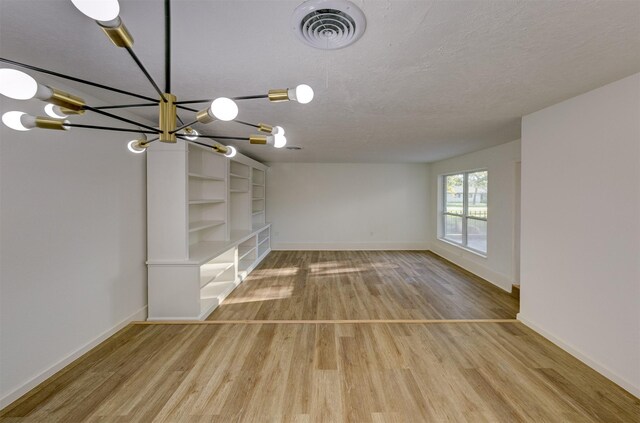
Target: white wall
column 348, row 206
column 498, row 266
column 581, row 227
column 72, row 245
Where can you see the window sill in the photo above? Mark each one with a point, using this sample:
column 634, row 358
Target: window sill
column 462, row 247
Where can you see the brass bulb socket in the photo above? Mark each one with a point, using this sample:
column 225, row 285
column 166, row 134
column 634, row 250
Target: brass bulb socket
column 278, row 95
column 66, row 100
column 203, row 116
column 67, row 111
column 263, row 127
column 51, row 123
column 119, row 35
column 220, row 149
column 258, row 139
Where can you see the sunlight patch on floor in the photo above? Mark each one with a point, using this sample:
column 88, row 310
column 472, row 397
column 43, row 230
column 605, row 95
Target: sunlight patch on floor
column 384, row 265
column 285, row 271
column 316, row 267
column 262, row 294
column 341, row 271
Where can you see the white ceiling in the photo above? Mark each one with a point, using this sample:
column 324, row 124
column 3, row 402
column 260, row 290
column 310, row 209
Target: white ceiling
column 428, row 80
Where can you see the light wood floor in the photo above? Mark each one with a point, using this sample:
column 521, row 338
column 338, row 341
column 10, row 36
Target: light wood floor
column 220, row 371
column 451, row 372
column 355, row 285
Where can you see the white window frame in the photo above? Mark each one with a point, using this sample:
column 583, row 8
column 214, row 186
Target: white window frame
column 465, row 210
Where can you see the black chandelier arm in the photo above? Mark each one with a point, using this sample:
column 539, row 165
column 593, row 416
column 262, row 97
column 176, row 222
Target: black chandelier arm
column 108, row 128
column 146, row 73
column 251, row 97
column 195, row 142
column 187, row 108
column 183, row 126
column 247, row 124
column 102, row 112
column 193, row 101
column 182, row 137
column 72, row 78
column 209, row 100
column 199, row 143
column 167, row 45
column 217, row 137
column 124, row 106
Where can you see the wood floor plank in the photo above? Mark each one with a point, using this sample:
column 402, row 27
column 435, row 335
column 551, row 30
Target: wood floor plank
column 250, row 374
column 214, row 381
column 358, row 403
column 325, row 348
column 327, row 404
column 301, row 374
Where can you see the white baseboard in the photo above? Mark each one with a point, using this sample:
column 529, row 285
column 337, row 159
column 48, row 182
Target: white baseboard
column 17, row 393
column 348, row 246
column 595, row 365
column 175, row 319
column 467, row 261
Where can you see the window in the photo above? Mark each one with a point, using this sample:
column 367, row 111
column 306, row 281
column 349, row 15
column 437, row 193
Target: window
column 464, row 209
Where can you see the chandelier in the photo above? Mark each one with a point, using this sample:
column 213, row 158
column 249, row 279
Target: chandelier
column 61, row 105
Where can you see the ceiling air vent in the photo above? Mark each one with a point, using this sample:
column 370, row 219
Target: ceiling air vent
column 328, row 24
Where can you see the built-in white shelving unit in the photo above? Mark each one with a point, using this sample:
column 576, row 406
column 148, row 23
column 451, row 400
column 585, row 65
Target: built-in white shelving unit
column 206, row 227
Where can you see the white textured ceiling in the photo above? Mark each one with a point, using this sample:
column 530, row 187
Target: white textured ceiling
column 428, row 80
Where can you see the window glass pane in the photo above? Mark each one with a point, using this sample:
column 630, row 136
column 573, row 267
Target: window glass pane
column 477, row 234
column 454, row 196
column 477, row 195
column 453, row 228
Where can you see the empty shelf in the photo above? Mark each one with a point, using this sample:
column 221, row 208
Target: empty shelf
column 205, row 201
column 242, row 253
column 211, row 271
column 207, row 177
column 235, row 175
column 217, row 290
column 204, row 224
column 202, row 252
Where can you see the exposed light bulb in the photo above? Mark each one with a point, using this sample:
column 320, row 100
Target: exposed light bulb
column 20, row 86
column 303, row 94
column 232, row 151
column 54, row 111
column 191, row 135
column 98, row 10
column 278, row 130
column 134, row 146
column 223, row 108
column 279, row 141
column 14, row 120
column 17, row 84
